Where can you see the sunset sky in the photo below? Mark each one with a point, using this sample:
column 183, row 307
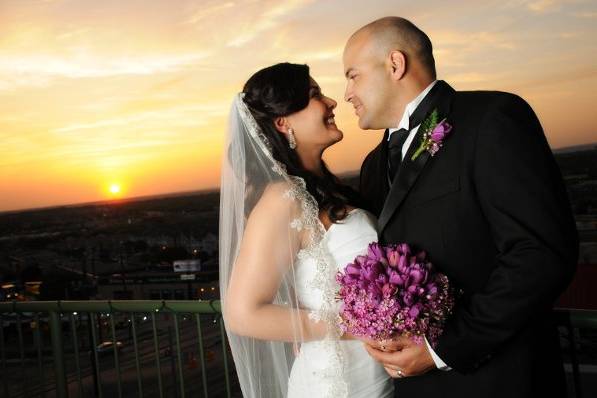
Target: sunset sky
column 107, row 99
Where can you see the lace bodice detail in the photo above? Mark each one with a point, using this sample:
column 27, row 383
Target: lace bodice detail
column 316, row 287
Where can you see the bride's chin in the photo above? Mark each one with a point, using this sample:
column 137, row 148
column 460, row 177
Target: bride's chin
column 339, row 137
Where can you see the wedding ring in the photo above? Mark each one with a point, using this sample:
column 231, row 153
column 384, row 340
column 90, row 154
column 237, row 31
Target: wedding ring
column 382, row 347
column 399, row 373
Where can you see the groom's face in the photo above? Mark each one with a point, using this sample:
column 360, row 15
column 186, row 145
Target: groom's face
column 368, row 83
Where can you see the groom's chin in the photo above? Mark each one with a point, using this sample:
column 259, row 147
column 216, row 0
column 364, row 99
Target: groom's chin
column 370, row 126
column 364, row 124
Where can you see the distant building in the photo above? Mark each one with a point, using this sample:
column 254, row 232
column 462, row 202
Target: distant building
column 209, row 244
column 160, row 285
column 186, row 265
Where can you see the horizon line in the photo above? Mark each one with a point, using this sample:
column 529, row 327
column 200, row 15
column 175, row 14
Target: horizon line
column 567, row 149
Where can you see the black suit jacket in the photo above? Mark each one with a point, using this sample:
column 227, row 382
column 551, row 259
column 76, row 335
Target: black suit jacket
column 491, row 210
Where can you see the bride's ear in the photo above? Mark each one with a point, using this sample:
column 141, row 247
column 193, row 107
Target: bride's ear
column 281, row 125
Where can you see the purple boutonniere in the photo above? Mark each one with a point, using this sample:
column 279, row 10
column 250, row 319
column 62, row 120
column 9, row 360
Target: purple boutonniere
column 434, row 134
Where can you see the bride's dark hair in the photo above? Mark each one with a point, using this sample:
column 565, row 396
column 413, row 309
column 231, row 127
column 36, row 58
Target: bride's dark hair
column 281, row 90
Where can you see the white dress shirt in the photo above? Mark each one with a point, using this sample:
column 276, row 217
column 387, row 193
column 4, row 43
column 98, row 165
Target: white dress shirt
column 405, row 121
column 404, row 124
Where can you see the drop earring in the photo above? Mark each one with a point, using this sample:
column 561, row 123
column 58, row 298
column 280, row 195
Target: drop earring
column 291, row 139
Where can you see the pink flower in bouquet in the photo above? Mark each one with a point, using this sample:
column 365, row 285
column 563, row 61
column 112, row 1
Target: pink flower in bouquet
column 392, row 290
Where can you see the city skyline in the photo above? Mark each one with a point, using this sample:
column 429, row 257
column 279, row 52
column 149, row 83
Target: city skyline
column 114, row 100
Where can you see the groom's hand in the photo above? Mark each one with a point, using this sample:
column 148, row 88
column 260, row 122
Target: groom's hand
column 401, row 357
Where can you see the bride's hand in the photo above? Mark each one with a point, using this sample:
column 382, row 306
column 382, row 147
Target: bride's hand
column 350, row 336
column 394, row 343
column 389, row 345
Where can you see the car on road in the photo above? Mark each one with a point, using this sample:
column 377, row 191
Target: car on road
column 108, row 346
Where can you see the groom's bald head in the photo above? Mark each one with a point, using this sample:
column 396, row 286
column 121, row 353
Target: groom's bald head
column 394, row 33
column 387, row 63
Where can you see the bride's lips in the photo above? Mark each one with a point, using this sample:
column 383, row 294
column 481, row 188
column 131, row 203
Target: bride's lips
column 330, row 120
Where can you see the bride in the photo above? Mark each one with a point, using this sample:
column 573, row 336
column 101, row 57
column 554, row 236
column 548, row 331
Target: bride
column 287, row 226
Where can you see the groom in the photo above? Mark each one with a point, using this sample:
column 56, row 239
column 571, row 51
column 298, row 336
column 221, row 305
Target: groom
column 489, row 207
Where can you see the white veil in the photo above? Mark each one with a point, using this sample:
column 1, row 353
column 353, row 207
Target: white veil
column 248, row 170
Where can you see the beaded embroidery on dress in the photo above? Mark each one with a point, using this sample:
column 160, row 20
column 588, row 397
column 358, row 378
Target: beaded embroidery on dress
column 314, row 372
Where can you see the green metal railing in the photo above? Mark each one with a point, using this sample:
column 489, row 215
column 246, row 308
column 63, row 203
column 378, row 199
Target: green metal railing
column 63, row 318
column 66, row 317
column 572, row 320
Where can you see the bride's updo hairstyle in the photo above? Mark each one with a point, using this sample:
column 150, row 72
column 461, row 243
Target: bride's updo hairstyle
column 279, row 91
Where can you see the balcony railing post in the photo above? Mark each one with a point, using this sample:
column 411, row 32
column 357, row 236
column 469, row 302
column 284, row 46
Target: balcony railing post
column 156, row 346
column 21, row 344
column 178, row 354
column 56, row 335
column 3, row 358
column 225, row 357
column 201, row 355
column 40, row 363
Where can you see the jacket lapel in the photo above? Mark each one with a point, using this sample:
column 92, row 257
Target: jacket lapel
column 374, row 180
column 405, row 178
column 409, row 170
column 382, row 165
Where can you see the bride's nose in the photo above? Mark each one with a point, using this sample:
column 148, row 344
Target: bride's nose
column 330, row 103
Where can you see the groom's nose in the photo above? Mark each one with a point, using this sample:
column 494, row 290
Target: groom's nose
column 347, row 93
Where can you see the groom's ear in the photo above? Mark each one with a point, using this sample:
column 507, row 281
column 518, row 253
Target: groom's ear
column 398, row 64
column 281, row 124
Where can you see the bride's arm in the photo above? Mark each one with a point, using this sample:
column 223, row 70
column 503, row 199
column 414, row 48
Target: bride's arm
column 268, row 249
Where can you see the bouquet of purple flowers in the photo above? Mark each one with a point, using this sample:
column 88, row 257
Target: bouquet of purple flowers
column 390, row 291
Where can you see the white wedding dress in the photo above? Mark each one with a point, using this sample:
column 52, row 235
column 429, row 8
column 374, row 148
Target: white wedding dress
column 354, row 373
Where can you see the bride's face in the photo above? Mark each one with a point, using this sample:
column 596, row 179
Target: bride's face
column 314, row 126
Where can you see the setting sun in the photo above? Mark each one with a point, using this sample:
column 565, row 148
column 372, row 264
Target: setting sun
column 114, row 189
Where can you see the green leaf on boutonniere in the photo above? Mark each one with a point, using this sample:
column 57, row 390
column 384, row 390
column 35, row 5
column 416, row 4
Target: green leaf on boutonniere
column 428, row 124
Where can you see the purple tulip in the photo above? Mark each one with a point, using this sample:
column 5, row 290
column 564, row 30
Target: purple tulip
column 382, row 279
column 375, row 252
column 407, row 298
column 440, row 131
column 391, row 291
column 416, row 276
column 360, row 260
column 404, row 249
column 396, row 279
column 388, row 290
column 402, row 264
column 393, row 258
column 369, row 275
column 352, row 269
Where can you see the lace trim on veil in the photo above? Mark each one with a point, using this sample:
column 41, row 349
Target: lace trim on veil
column 315, row 248
column 324, row 280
